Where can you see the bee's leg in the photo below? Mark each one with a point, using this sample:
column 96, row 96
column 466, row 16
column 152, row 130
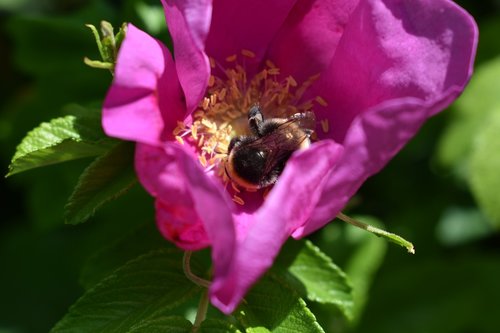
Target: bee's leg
column 255, row 119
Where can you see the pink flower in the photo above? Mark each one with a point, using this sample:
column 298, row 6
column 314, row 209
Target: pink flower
column 372, row 71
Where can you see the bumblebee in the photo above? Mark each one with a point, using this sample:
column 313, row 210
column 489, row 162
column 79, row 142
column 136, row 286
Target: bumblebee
column 256, row 161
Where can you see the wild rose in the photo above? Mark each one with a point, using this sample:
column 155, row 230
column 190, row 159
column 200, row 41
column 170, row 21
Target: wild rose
column 372, row 71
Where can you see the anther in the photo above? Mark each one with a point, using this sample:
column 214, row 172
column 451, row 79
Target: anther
column 248, row 53
column 321, row 101
column 325, row 126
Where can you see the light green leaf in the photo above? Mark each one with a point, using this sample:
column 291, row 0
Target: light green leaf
column 460, row 225
column 485, row 168
column 138, row 297
column 60, row 140
column 273, row 305
column 320, row 280
column 108, row 177
column 470, row 112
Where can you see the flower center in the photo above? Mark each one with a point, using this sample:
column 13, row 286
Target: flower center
column 223, row 113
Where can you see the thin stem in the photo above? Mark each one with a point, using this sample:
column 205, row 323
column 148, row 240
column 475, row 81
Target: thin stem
column 201, row 314
column 189, row 274
column 378, row 232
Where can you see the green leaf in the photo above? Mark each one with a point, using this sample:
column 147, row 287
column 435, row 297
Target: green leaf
column 163, row 324
column 105, row 179
column 460, row 225
column 485, row 168
column 273, row 305
column 60, row 140
column 469, row 115
column 363, row 263
column 106, row 260
column 217, row 326
column 138, row 297
column 320, row 280
column 378, row 232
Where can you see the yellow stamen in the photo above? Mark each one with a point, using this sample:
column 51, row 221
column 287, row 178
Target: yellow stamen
column 248, row 53
column 235, row 187
column 232, row 58
column 212, row 62
column 203, row 160
column 180, row 140
column 211, row 81
column 238, row 200
column 321, row 101
column 270, row 64
column 325, row 125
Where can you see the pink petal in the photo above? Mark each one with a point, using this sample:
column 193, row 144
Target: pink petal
column 307, row 40
column 131, row 109
column 188, row 22
column 192, row 210
column 397, row 64
column 245, row 25
column 288, row 205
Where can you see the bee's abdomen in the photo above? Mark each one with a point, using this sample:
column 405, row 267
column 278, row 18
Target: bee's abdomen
column 249, row 164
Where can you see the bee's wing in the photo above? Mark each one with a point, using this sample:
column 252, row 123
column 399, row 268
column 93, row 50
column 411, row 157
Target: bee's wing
column 305, row 120
column 278, row 147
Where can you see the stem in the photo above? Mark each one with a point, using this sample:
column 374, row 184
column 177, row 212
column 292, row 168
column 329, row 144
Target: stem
column 189, row 274
column 378, row 232
column 201, row 313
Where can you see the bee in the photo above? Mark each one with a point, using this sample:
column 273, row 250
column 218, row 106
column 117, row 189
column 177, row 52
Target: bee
column 257, row 160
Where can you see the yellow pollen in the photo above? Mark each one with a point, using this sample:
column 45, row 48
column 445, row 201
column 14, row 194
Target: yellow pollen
column 213, row 100
column 248, row 53
column 270, row 64
column 238, row 200
column 223, row 113
column 232, row 58
column 194, row 132
column 180, row 140
column 325, row 125
column 274, row 71
column 205, row 103
column 211, row 81
column 203, row 160
column 291, row 81
column 321, row 101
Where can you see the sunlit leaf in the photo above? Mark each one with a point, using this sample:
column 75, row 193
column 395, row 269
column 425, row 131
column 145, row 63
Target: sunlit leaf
column 470, row 113
column 62, row 139
column 485, row 168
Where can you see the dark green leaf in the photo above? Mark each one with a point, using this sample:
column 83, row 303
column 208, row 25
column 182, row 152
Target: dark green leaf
column 273, row 305
column 138, row 296
column 217, row 326
column 364, row 263
column 319, row 279
column 108, row 177
column 105, row 261
column 62, row 139
column 163, row 324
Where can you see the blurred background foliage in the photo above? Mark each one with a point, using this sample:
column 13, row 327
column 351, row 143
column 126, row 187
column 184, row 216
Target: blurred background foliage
column 441, row 191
